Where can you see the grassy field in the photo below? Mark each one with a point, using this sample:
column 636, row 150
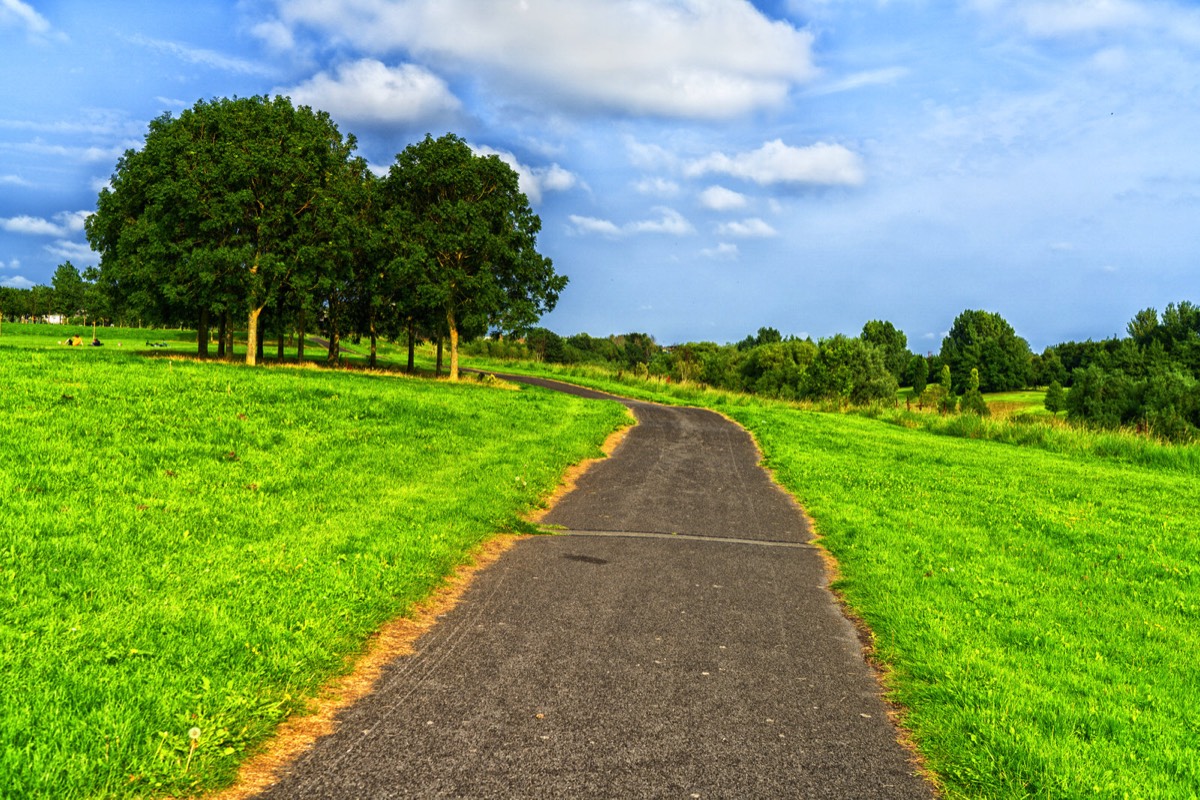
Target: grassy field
column 1034, row 590
column 194, row 548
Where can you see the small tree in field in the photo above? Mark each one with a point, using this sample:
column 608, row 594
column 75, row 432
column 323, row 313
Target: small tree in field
column 972, row 399
column 1056, row 398
column 946, row 401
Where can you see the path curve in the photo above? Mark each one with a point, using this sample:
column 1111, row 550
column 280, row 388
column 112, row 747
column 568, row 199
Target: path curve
column 679, row 641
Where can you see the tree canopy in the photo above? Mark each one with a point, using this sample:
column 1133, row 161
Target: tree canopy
column 985, row 341
column 468, row 238
column 250, row 205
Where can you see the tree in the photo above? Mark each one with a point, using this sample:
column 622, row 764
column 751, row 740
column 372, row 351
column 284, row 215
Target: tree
column 470, row 236
column 221, row 208
column 945, row 399
column 892, row 342
column 846, row 368
column 69, row 290
column 972, row 400
column 985, row 341
column 1056, row 398
column 916, row 374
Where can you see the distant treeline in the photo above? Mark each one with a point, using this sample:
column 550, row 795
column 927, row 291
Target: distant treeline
column 1149, row 380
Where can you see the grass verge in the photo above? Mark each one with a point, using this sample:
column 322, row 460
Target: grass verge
column 195, row 548
column 1033, row 590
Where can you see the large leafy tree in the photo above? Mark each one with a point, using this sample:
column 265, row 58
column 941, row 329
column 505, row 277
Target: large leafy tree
column 891, row 342
column 985, row 341
column 469, row 239
column 222, row 209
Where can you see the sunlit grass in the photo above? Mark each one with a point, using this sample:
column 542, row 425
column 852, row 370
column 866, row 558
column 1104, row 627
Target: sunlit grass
column 1033, row 588
column 189, row 545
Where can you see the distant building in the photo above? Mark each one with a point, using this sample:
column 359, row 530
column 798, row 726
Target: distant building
column 55, row 319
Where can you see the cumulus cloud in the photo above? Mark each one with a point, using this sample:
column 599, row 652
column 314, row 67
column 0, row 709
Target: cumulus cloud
column 696, row 59
column 65, row 223
column 669, row 222
column 603, row 227
column 17, row 282
column 11, row 265
column 724, row 251
column 371, row 92
column 660, row 187
column 747, row 228
column 275, row 35
column 778, row 163
column 718, row 198
column 535, row 181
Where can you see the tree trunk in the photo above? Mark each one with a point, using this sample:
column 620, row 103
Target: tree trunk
column 374, row 343
column 202, row 335
column 453, row 346
column 252, row 340
column 222, row 325
column 412, row 344
column 335, row 337
column 300, row 333
column 438, row 369
column 281, row 329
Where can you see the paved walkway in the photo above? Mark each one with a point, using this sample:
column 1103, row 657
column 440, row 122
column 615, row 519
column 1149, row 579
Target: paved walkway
column 679, row 642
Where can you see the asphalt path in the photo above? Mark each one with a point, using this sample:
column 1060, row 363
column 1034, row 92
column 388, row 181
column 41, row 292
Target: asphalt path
column 678, row 641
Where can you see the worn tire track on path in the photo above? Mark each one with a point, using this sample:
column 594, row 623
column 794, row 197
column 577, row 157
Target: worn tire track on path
column 679, row 641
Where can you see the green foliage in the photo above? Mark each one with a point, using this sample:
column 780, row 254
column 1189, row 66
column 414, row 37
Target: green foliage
column 916, row 374
column 892, row 342
column 850, row 369
column 193, row 545
column 1056, row 398
column 223, row 210
column 972, row 401
column 985, row 341
column 467, row 233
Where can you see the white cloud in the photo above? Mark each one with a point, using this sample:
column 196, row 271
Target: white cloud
column 593, row 225
column 718, row 198
column 724, row 251
column 275, row 35
column 748, row 228
column 706, row 59
column 660, row 187
column 371, row 92
column 776, row 162
column 14, row 180
column 17, row 282
column 17, row 13
column 66, row 223
column 199, row 56
column 535, row 181
column 72, row 251
column 669, row 222
column 12, row 265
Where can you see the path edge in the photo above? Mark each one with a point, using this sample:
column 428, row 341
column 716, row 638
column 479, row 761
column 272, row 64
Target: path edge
column 881, row 670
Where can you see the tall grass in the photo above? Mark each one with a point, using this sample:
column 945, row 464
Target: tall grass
column 191, row 545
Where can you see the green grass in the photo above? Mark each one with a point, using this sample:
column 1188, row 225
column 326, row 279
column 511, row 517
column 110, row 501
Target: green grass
column 1033, row 589
column 200, row 545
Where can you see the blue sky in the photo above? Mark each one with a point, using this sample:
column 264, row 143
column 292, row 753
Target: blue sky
column 702, row 167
